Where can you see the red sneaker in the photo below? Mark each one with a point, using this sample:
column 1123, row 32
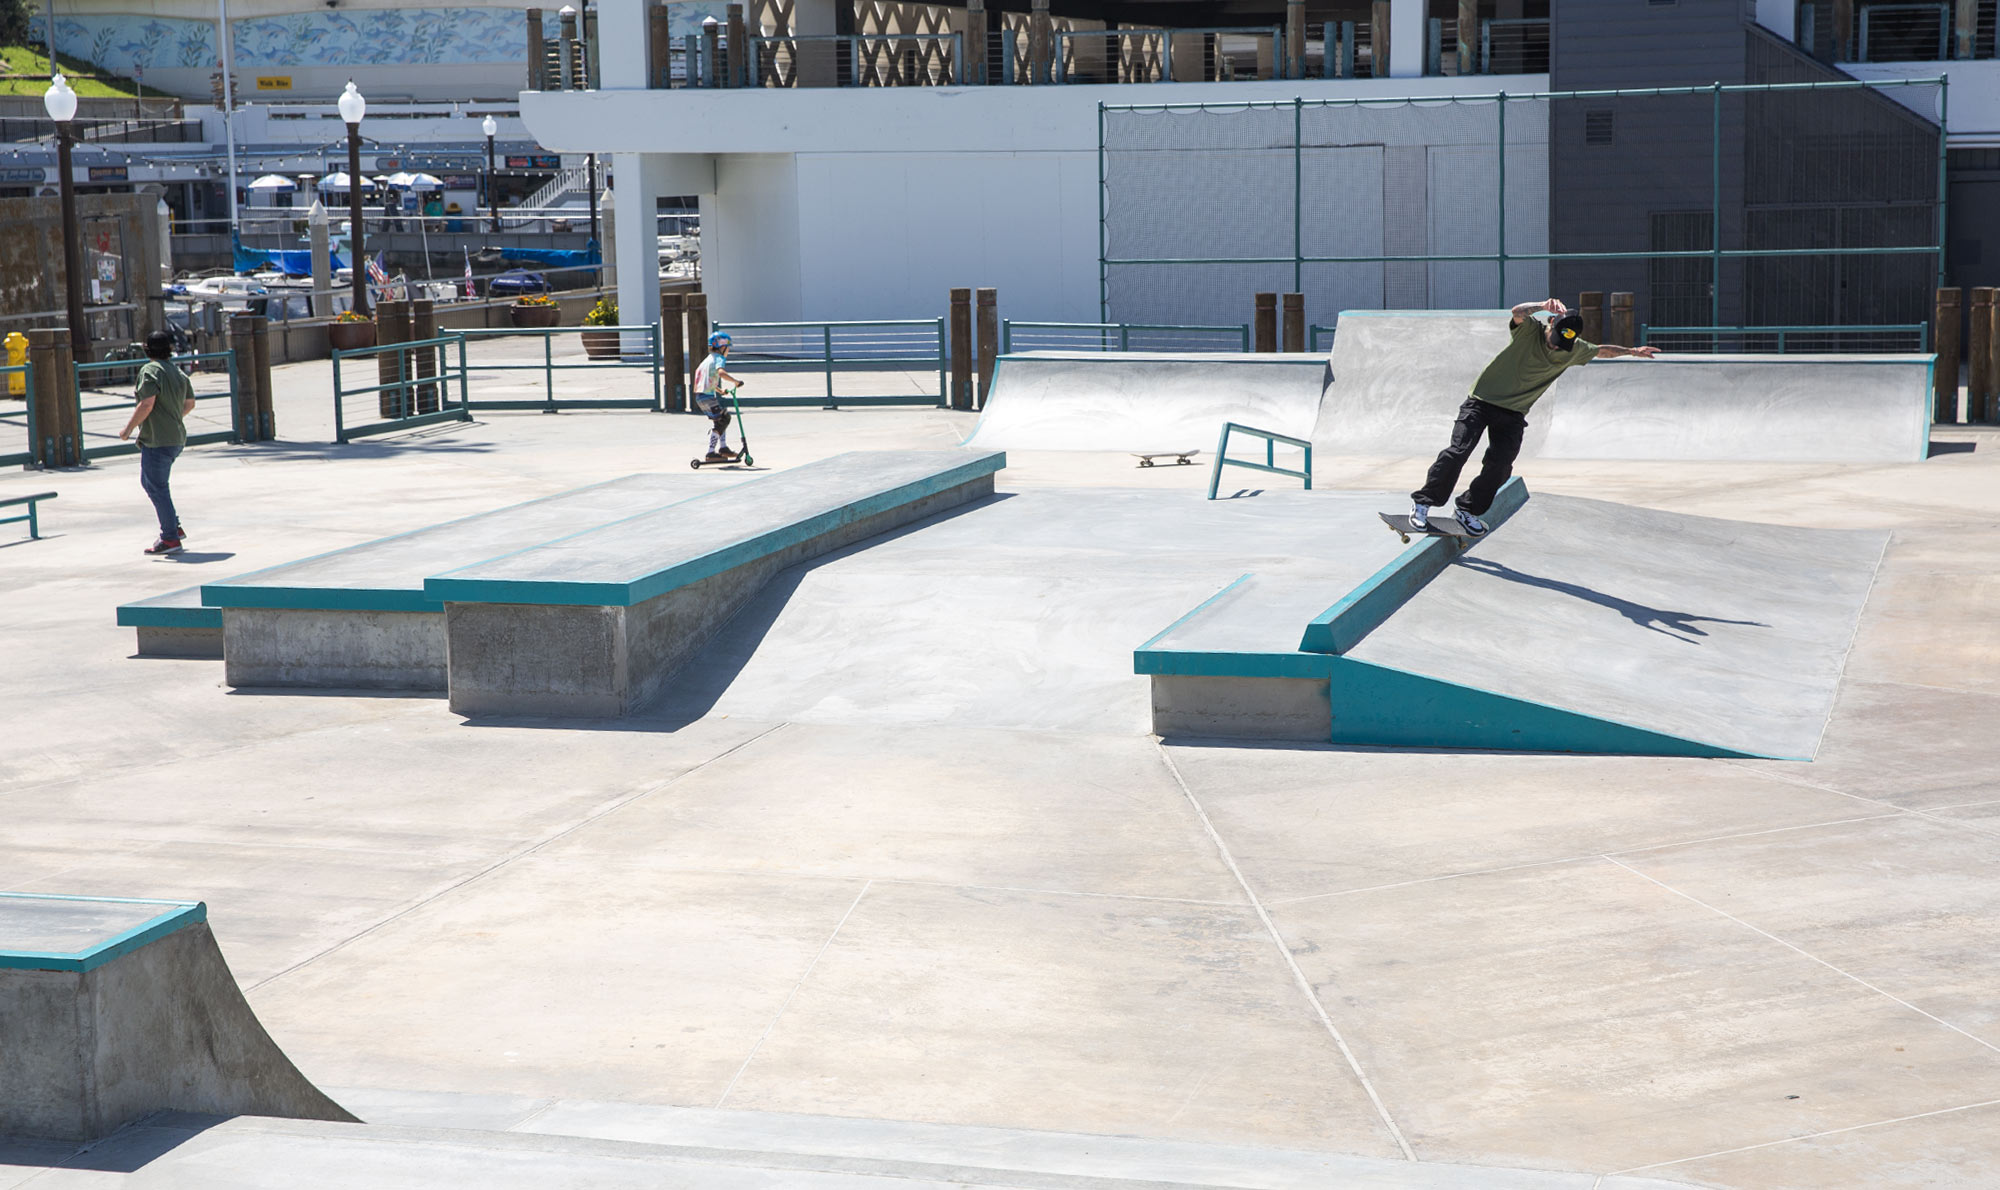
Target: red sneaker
column 165, row 545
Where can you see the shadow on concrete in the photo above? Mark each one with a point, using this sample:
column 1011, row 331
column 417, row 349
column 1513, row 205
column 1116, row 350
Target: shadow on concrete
column 1678, row 626
column 697, row 686
column 1951, row 448
column 1242, row 494
column 372, row 448
column 8, row 545
column 193, row 558
column 128, row 1150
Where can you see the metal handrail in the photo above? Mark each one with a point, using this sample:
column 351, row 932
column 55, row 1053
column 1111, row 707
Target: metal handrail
column 235, row 433
column 26, row 370
column 1060, row 58
column 654, row 362
column 1123, row 331
column 342, row 432
column 1921, row 330
column 1940, row 10
column 829, row 361
column 1270, row 464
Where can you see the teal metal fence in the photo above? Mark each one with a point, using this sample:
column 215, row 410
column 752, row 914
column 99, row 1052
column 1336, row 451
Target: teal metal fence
column 881, row 350
column 105, row 386
column 1319, row 338
column 1119, row 336
column 22, row 418
column 647, row 358
column 406, row 402
column 1907, row 338
column 1270, row 464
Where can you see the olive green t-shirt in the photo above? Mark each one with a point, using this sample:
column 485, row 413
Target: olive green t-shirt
column 166, row 425
column 1525, row 368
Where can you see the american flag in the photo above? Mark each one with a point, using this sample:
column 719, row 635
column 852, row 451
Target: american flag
column 376, row 273
column 469, row 290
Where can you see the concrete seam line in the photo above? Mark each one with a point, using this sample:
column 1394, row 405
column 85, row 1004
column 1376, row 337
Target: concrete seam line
column 1804, row 953
column 521, row 853
column 1927, row 813
column 793, row 995
column 1291, row 962
column 1792, row 1140
column 1854, row 636
column 1049, row 892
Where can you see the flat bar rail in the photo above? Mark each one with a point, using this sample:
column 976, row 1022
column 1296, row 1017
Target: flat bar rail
column 397, row 406
column 121, row 372
column 868, row 346
column 1895, row 338
column 548, row 366
column 34, row 525
column 1270, row 464
column 26, row 420
column 1120, row 336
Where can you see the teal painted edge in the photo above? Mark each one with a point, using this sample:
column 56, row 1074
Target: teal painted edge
column 1201, row 607
column 178, row 916
column 225, row 592
column 1376, row 706
column 1188, row 663
column 157, row 613
column 681, row 574
column 324, row 599
column 1365, row 608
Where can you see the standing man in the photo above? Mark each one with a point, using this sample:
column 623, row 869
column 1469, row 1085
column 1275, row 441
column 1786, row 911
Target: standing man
column 165, row 398
column 1536, row 353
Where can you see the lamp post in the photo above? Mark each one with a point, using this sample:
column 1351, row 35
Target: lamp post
column 60, row 102
column 489, row 127
column 352, row 108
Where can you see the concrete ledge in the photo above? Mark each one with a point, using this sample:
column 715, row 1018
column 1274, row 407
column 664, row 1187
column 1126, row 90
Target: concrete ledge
column 175, row 625
column 1242, row 708
column 333, row 649
column 578, row 660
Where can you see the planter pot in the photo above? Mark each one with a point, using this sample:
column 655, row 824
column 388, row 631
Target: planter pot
column 534, row 315
column 601, row 344
column 346, row 336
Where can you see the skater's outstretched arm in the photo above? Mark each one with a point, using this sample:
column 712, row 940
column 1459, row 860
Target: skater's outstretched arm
column 1613, row 351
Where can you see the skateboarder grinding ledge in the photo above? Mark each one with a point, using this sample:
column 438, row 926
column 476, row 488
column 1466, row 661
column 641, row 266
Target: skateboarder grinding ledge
column 1537, row 352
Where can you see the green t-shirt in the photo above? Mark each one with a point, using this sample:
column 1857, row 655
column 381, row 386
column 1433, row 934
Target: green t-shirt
column 1525, row 368
column 166, row 425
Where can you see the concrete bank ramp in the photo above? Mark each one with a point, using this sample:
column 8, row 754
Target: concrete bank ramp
column 1139, row 401
column 1728, row 635
column 1399, row 377
column 112, row 1009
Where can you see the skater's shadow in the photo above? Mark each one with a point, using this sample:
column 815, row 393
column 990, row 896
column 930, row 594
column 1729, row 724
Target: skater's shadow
column 1680, row 626
column 190, row 558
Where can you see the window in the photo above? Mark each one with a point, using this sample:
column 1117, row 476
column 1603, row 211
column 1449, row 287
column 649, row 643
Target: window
column 1597, row 127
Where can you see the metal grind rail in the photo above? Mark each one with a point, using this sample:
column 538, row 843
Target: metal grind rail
column 1270, row 463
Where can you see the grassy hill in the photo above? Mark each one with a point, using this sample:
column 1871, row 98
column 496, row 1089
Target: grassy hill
column 24, row 70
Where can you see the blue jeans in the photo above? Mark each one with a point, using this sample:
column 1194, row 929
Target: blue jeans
column 155, row 464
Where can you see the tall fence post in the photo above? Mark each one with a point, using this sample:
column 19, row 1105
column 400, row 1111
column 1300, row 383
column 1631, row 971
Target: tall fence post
column 1295, row 322
column 659, row 44
column 1946, row 338
column 1266, row 322
column 1618, row 325
column 1979, row 353
column 961, row 349
column 673, row 359
column 1468, row 26
column 538, row 52
column 987, row 313
column 1590, row 308
column 737, row 72
column 46, row 395
column 392, row 326
column 1041, row 43
column 1295, row 39
column 69, row 403
column 243, row 347
column 423, row 361
column 1992, row 360
column 697, row 335
column 975, row 43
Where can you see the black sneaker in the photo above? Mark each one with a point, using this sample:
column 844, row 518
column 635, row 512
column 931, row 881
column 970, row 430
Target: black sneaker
column 1472, row 524
column 165, row 545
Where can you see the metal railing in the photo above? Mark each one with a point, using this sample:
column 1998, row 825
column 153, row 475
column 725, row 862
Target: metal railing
column 121, row 372
column 1319, row 338
column 1119, row 336
column 1904, row 33
column 26, row 372
column 884, row 345
column 847, row 60
column 650, row 358
column 1514, row 46
column 1906, row 338
column 1270, row 463
column 1224, row 54
column 408, row 401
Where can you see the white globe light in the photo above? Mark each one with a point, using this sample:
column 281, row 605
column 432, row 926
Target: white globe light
column 489, row 126
column 60, row 101
column 352, row 106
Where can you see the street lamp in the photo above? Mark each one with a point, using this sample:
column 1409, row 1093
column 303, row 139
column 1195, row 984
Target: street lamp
column 352, row 108
column 489, row 126
column 61, row 104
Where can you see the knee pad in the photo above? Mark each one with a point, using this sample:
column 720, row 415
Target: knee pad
column 719, row 422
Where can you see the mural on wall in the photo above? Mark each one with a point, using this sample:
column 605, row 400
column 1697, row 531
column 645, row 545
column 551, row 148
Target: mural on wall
column 684, row 17
column 128, row 44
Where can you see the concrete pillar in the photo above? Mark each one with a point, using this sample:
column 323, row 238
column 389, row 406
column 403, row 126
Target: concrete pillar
column 960, row 329
column 1979, row 357
column 538, row 52
column 1190, row 54
column 635, row 248
column 1590, row 308
column 1295, row 322
column 697, row 332
column 260, row 366
column 322, row 261
column 1379, row 38
column 51, row 389
column 1409, row 38
column 1619, row 327
column 1295, row 39
column 571, row 66
column 818, row 62
column 673, row 351
column 659, row 44
column 242, row 342
column 1964, row 28
column 1947, row 342
column 1265, row 325
column 607, row 231
column 974, row 66
column 987, row 314
column 737, row 72
column 1468, row 38
column 1041, row 43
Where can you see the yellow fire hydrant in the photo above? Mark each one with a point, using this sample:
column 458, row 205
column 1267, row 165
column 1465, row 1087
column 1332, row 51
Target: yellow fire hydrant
column 17, row 354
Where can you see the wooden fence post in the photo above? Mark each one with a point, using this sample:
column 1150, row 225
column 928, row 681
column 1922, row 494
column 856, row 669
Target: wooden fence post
column 1619, row 327
column 1265, row 332
column 1590, row 308
column 1979, row 351
column 242, row 343
column 1295, row 322
column 987, row 302
column 47, row 395
column 1947, row 340
column 424, row 361
column 260, row 354
column 392, row 326
column 673, row 353
column 961, row 348
column 697, row 335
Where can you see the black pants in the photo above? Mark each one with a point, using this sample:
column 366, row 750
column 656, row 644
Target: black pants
column 1503, row 429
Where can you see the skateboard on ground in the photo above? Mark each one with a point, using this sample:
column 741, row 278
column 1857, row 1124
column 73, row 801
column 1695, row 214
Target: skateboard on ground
column 1443, row 526
column 1181, row 458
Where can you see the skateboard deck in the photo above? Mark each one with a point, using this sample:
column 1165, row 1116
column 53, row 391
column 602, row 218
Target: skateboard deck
column 1439, row 527
column 1180, row 457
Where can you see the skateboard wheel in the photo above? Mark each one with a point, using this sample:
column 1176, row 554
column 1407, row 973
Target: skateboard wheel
column 695, row 463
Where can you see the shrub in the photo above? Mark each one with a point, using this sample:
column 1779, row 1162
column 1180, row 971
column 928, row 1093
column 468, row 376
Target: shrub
column 604, row 313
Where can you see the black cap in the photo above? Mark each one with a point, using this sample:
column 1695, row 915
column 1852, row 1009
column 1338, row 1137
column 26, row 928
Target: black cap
column 1566, row 329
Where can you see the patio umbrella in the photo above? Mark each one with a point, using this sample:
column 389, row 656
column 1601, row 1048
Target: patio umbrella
column 424, row 182
column 274, row 182
column 339, row 182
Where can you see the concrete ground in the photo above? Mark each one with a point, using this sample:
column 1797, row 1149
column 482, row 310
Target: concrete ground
column 1740, row 974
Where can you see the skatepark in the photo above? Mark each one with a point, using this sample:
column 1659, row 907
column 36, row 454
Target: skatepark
column 976, row 807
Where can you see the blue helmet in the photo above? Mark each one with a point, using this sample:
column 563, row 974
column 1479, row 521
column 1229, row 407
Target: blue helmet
column 717, row 339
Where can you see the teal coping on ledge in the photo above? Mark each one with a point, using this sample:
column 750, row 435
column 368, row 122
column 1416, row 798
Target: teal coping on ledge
column 680, row 574
column 159, row 612
column 1365, row 608
column 174, row 915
